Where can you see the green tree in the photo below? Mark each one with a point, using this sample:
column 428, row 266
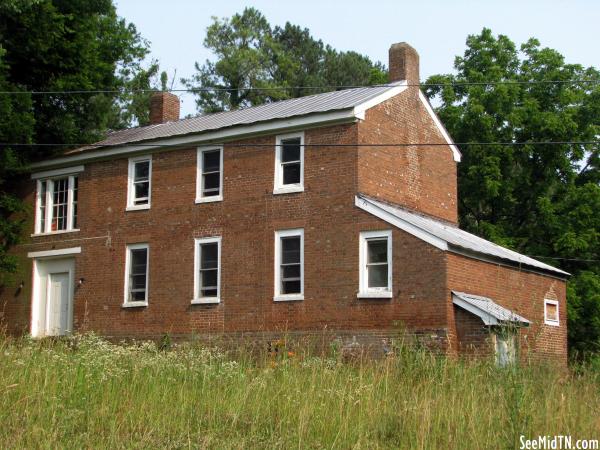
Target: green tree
column 250, row 55
column 541, row 200
column 57, row 45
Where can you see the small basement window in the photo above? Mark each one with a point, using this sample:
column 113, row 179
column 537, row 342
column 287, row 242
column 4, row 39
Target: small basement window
column 375, row 260
column 551, row 313
column 289, row 163
column 136, row 275
column 139, row 188
column 209, row 182
column 207, row 276
column 289, row 265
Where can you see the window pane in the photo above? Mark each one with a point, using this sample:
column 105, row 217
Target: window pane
column 137, row 296
column 138, row 258
column 291, row 173
column 377, row 251
column 211, row 161
column 141, row 171
column 208, row 279
column 551, row 312
column 211, row 183
column 290, row 250
column 141, row 192
column 292, row 271
column 378, row 276
column 138, row 282
column 208, row 292
column 290, row 150
column 290, row 287
column 42, row 211
column 59, row 204
column 209, row 256
column 75, row 197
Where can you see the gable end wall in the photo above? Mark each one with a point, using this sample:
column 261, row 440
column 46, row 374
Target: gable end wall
column 420, row 178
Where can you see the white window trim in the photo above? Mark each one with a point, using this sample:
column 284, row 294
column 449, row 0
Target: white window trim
column 58, row 173
column 130, row 189
column 50, row 204
column 363, row 290
column 554, row 323
column 279, row 187
column 197, row 300
column 129, row 247
column 279, row 297
column 199, row 197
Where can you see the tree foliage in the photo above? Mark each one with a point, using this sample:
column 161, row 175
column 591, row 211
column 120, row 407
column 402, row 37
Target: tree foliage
column 250, row 54
column 542, row 200
column 58, row 45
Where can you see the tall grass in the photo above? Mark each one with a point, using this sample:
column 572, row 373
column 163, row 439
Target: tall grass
column 84, row 392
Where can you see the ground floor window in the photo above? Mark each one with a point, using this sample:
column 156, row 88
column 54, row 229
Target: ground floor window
column 136, row 275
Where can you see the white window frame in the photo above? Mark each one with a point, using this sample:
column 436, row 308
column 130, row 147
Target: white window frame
column 129, row 247
column 363, row 290
column 547, row 321
column 279, row 187
column 131, row 206
column 279, row 297
column 199, row 197
column 197, row 300
column 48, row 214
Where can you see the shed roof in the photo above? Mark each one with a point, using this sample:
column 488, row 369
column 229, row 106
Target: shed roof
column 491, row 313
column 447, row 236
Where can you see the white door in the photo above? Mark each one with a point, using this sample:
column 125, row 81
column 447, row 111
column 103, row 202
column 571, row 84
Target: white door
column 57, row 313
column 52, row 299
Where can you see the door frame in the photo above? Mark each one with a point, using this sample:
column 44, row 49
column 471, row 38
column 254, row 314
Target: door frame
column 42, row 268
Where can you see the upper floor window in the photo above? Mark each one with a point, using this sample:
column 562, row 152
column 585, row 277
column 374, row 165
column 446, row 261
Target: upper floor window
column 136, row 275
column 289, row 265
column 139, row 187
column 209, row 182
column 375, row 259
column 551, row 312
column 289, row 163
column 207, row 278
column 56, row 204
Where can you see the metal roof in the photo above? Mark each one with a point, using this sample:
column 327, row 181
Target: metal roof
column 491, row 313
column 434, row 230
column 302, row 106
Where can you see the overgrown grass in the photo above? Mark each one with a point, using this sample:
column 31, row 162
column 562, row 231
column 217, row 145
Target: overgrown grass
column 85, row 392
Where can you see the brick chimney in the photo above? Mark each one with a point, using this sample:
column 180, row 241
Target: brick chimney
column 403, row 63
column 164, row 107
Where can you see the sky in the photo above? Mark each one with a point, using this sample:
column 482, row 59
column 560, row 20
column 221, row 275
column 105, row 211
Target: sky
column 436, row 29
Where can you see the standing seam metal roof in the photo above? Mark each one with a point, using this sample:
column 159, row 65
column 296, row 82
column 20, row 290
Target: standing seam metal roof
column 312, row 104
column 456, row 237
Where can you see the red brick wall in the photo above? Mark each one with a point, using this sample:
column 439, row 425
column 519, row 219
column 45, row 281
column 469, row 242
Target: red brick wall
column 420, row 178
column 472, row 336
column 520, row 291
column 246, row 219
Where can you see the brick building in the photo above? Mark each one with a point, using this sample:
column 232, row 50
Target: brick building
column 296, row 216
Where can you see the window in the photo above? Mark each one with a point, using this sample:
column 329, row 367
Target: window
column 56, row 205
column 209, row 182
column 140, row 186
column 136, row 275
column 289, row 265
column 289, row 163
column 375, row 259
column 551, row 312
column 207, row 270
